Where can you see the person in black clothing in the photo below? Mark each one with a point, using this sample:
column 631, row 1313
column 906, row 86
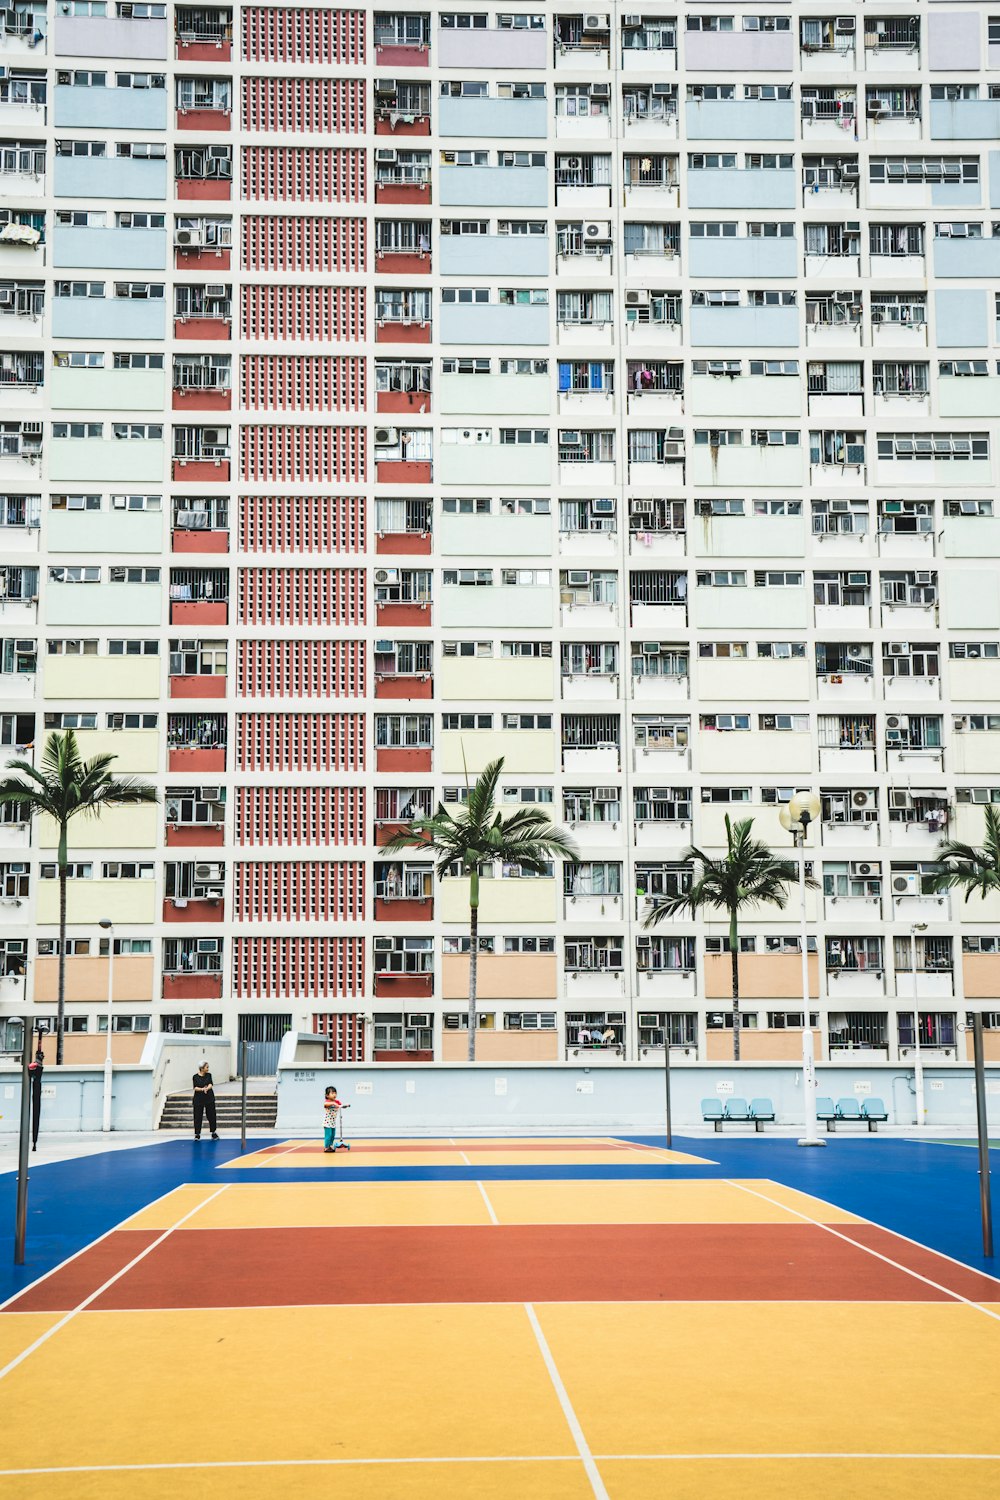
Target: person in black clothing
column 204, row 1101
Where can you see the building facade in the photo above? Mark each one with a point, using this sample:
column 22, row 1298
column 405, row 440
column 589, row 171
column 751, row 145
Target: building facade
column 387, row 391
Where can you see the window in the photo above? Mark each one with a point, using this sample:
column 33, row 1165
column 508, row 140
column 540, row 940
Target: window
column 728, row 723
column 768, row 579
column 722, row 578
column 466, row 721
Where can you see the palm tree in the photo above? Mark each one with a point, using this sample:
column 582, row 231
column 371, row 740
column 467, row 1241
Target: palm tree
column 747, row 875
column 477, row 835
column 975, row 871
column 62, row 787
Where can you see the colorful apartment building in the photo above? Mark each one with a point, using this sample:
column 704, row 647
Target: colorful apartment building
column 387, row 391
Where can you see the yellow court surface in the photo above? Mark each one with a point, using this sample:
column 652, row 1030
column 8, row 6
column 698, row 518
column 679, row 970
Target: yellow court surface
column 667, row 1338
column 454, row 1153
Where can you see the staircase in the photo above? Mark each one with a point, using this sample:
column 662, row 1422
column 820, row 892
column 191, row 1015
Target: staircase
column 262, row 1112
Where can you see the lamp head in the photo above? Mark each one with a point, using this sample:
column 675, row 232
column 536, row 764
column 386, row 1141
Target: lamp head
column 804, row 808
column 787, row 821
column 106, row 923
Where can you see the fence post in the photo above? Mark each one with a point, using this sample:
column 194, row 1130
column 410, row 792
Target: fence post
column 243, row 1096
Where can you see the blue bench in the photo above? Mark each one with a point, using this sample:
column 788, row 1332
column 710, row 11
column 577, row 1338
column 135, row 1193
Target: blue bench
column 871, row 1112
column 737, row 1112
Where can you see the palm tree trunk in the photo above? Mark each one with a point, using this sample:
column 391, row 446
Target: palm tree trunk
column 473, row 958
column 61, row 1004
column 734, row 958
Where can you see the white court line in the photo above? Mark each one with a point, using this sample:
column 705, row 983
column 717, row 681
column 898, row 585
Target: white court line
column 949, row 1291
column 91, row 1243
column 488, row 1458
column 68, row 1317
column 489, row 1205
column 572, row 1420
column 452, row 1142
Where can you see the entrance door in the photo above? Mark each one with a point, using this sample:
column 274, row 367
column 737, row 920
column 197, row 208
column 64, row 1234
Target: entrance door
column 263, row 1037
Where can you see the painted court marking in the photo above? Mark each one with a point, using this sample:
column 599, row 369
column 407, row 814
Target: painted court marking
column 488, row 1458
column 489, row 1206
column 465, row 1159
column 917, row 1275
column 68, row 1317
column 572, row 1420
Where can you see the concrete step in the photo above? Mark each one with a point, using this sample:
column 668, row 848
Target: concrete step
column 262, row 1111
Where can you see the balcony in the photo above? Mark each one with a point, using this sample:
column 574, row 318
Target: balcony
column 411, row 185
column 198, row 685
column 393, row 985
column 190, row 909
column 203, row 35
column 492, row 119
column 494, row 187
column 734, row 188
column 194, row 986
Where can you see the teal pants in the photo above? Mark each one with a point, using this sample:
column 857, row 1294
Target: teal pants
column 329, row 1132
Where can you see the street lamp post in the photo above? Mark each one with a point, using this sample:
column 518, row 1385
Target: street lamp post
column 918, row 1061
column 803, row 809
column 109, row 1070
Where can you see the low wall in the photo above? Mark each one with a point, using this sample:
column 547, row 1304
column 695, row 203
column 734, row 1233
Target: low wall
column 73, row 1098
column 174, row 1059
column 451, row 1098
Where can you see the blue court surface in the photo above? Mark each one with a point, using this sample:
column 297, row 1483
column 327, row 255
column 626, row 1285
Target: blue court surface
column 928, row 1192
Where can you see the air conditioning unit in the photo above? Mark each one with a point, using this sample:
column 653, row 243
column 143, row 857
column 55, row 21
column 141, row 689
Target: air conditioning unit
column 631, row 23
column 923, row 578
column 862, row 870
column 897, row 721
column 605, row 794
column 862, row 800
column 973, row 653
column 207, row 872
column 384, row 153
column 208, row 945
column 854, row 652
column 212, row 437
column 845, row 25
column 572, row 163
column 635, row 297
column 899, row 648
column 418, row 1019
column 849, row 171
column 386, row 575
column 192, row 1023
column 649, row 1020
column 386, row 437
column 569, row 438
column 596, row 23
column 385, row 648
column 857, row 580
column 385, row 85
column 600, row 90
column 603, row 507
column 906, row 885
column 594, row 234
column 382, row 944
column 650, row 648
column 578, row 577
column 210, row 793
column 644, row 942
column 189, row 239
column 877, row 107
column 215, row 289
column 642, row 507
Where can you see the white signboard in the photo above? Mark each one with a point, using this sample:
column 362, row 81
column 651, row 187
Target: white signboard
column 861, row 1087
column 48, row 1091
column 585, row 1086
column 499, row 1086
column 724, row 1088
column 304, row 1077
column 411, row 1087
column 937, row 1085
column 8, row 1092
column 362, row 1088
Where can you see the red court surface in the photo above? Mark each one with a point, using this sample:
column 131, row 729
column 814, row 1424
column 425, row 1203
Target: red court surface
column 624, row 1339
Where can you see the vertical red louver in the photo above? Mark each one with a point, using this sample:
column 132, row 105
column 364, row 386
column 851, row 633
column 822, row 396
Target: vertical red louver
column 303, row 382
column 301, row 596
column 291, row 106
column 291, row 313
column 281, row 815
column 306, row 36
column 309, row 455
column 300, row 669
column 299, row 891
column 266, row 967
column 307, row 523
column 280, row 242
column 300, row 742
column 303, row 174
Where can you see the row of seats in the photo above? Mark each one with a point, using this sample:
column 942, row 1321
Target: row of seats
column 870, row 1112
column 758, row 1112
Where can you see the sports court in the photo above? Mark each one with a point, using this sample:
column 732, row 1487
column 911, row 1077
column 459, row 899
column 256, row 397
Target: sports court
column 475, row 1318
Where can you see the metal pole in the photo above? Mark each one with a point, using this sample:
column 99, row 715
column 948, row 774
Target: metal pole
column 918, row 1061
column 21, row 1213
column 666, row 1078
column 985, row 1202
column 811, row 1137
column 109, row 1066
column 243, row 1096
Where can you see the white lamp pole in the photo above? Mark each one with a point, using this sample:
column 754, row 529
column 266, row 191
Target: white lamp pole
column 109, row 1072
column 803, row 809
column 918, row 1061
